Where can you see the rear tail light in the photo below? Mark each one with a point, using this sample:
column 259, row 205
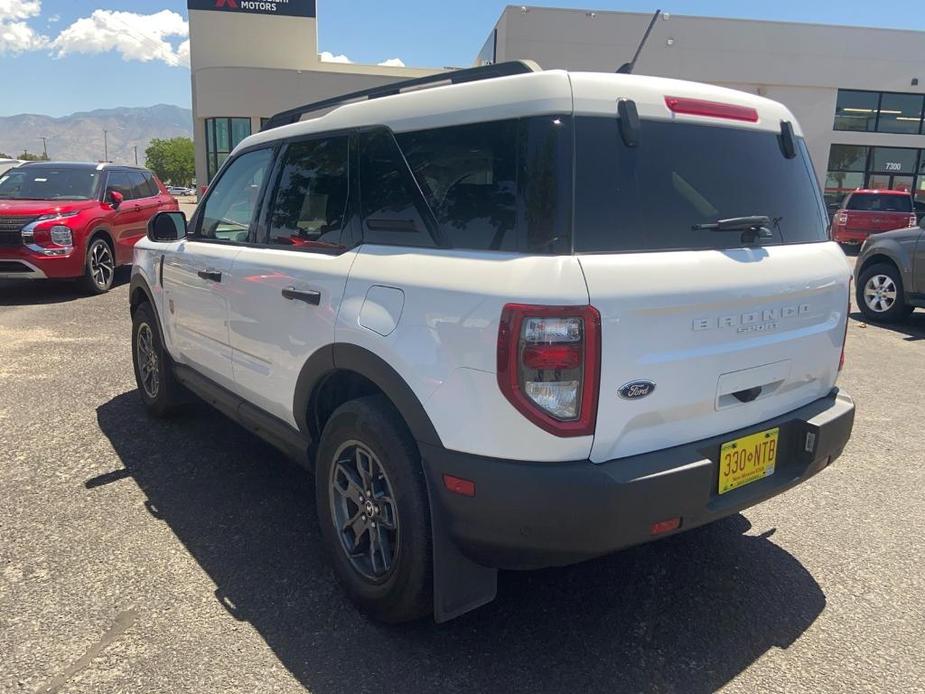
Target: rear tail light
column 549, row 365
column 913, row 220
column 713, row 109
column 841, row 218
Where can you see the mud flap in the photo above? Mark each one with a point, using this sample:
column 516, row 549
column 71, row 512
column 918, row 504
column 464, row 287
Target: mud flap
column 460, row 585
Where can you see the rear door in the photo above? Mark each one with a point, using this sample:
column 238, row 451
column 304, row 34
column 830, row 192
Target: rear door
column 285, row 291
column 198, row 276
column 723, row 329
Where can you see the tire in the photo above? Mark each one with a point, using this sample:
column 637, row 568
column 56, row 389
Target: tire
column 880, row 294
column 159, row 389
column 99, row 266
column 390, row 579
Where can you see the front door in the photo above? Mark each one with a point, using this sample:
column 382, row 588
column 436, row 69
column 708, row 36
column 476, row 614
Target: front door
column 198, row 277
column 285, row 294
column 127, row 216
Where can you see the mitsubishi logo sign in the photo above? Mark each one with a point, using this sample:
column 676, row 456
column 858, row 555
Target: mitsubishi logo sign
column 283, row 8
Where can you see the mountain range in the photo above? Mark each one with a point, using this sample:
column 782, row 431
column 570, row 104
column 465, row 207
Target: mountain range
column 79, row 136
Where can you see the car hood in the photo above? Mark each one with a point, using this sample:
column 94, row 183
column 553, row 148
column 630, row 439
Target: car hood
column 43, row 207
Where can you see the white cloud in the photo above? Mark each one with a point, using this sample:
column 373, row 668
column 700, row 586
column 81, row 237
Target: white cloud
column 54, row 19
column 135, row 36
column 16, row 35
column 328, row 57
column 392, row 62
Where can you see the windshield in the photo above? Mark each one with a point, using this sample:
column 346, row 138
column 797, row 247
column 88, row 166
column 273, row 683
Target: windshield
column 669, row 192
column 875, row 202
column 49, row 183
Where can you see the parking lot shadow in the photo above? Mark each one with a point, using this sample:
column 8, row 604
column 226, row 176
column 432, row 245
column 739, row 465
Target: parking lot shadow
column 685, row 614
column 34, row 292
column 912, row 327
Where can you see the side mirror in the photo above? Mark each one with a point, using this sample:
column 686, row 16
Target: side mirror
column 114, row 198
column 167, row 226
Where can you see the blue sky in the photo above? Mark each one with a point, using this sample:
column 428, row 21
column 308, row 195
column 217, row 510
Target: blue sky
column 56, row 59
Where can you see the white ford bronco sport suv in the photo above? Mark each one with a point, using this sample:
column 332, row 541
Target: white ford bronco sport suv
column 511, row 318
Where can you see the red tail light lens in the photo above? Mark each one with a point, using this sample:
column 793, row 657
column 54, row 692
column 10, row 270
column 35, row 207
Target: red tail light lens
column 549, row 365
column 713, row 109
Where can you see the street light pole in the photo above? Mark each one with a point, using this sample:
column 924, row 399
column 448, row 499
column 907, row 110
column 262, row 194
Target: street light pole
column 45, row 146
column 136, row 155
column 106, row 145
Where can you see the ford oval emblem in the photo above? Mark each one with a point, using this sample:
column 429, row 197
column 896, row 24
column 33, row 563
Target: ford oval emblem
column 636, row 389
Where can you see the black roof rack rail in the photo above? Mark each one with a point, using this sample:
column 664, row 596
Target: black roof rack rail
column 472, row 74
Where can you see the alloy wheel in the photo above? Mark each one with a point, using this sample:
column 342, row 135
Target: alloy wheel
column 363, row 510
column 148, row 362
column 102, row 265
column 880, row 293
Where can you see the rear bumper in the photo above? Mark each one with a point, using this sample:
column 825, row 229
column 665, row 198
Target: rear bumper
column 21, row 263
column 851, row 236
column 531, row 515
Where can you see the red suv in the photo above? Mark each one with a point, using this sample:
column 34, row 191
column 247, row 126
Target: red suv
column 72, row 220
column 866, row 212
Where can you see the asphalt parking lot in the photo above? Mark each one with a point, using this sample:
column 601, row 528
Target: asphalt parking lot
column 183, row 556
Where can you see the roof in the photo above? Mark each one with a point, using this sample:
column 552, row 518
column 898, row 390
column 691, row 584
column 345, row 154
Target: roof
column 83, row 165
column 532, row 94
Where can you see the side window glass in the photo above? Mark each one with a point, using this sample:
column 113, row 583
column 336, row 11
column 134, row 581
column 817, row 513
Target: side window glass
column 310, row 206
column 122, row 182
column 229, row 210
column 390, row 213
column 469, row 175
column 139, row 185
column 153, row 190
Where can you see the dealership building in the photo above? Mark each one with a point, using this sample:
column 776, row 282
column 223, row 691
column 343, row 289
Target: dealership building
column 858, row 93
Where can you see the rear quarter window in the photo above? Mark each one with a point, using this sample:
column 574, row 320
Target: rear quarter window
column 648, row 197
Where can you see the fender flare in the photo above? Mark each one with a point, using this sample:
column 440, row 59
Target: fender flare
column 348, row 357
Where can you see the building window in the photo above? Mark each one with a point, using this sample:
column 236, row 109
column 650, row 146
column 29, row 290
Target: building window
column 856, row 110
column 882, row 112
column 885, row 168
column 900, row 113
column 222, row 136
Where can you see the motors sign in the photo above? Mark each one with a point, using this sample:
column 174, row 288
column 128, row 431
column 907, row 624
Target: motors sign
column 283, row 8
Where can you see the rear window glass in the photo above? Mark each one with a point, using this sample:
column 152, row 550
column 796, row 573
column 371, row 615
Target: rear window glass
column 680, row 175
column 875, row 202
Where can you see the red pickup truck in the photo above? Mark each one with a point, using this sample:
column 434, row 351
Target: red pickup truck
column 866, row 212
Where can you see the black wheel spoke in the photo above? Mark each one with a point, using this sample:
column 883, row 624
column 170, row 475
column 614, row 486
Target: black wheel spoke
column 364, row 511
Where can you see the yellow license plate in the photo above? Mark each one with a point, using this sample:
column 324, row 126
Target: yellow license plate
column 747, row 459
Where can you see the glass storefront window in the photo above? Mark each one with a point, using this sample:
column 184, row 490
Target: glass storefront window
column 894, row 160
column 856, row 110
column 222, row 136
column 900, row 113
column 848, row 158
column 839, row 183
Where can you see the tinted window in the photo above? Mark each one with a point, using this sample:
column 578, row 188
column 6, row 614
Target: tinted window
column 49, row 183
column 468, row 175
column 232, row 201
column 311, row 199
column 847, row 158
column 390, row 207
column 873, row 202
column 894, row 160
column 649, row 197
column 151, row 184
column 900, row 113
column 856, row 110
column 139, row 186
column 122, row 182
column 504, row 185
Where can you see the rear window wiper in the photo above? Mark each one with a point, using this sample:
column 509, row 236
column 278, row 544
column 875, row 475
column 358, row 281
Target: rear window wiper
column 755, row 227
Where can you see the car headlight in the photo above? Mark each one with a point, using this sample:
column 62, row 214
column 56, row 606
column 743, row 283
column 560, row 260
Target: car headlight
column 61, row 235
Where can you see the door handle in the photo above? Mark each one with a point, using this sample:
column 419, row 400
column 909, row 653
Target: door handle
column 210, row 275
column 309, row 296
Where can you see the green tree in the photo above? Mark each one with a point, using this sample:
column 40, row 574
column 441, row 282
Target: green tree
column 172, row 160
column 28, row 156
